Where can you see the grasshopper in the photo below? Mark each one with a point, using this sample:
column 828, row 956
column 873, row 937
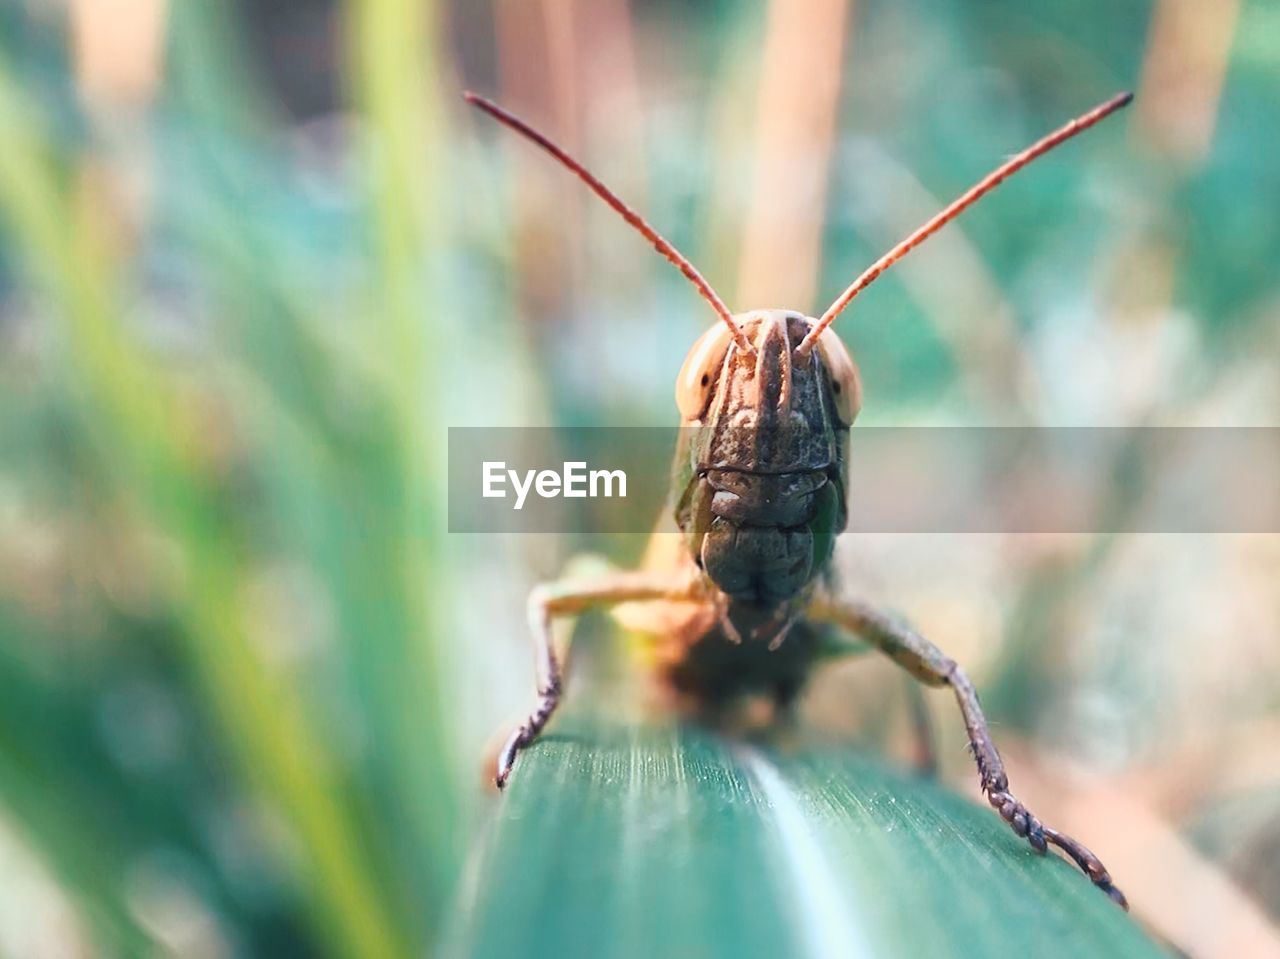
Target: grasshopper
column 743, row 603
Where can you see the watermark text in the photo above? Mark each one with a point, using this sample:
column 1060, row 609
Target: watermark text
column 574, row 481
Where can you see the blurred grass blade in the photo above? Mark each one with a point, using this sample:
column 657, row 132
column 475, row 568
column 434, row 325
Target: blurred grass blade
column 396, row 81
column 668, row 841
column 378, row 561
column 142, row 430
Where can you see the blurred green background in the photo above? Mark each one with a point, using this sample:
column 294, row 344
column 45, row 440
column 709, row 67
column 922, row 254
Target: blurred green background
column 255, row 259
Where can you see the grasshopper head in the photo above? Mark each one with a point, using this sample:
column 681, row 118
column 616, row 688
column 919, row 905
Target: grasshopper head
column 717, row 367
column 763, row 458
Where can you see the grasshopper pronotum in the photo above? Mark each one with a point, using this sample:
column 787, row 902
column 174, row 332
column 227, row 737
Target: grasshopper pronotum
column 759, row 498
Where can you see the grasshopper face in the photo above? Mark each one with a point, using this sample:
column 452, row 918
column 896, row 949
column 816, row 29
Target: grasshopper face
column 762, row 463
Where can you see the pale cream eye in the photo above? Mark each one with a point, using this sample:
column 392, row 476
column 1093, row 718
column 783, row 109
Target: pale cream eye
column 700, row 371
column 846, row 384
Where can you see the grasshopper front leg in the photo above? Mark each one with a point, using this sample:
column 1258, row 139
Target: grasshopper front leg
column 931, row 666
column 569, row 597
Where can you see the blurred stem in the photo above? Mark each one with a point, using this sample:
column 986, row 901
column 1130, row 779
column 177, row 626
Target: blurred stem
column 795, row 130
column 1183, row 74
column 393, row 75
column 391, row 43
column 156, row 455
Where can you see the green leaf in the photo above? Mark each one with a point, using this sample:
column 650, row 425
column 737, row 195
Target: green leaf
column 666, row 840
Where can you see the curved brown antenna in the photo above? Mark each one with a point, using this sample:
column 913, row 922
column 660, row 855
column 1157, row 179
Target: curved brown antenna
column 958, row 206
column 631, row 216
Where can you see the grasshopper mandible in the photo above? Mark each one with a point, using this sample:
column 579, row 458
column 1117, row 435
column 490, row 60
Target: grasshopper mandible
column 759, row 497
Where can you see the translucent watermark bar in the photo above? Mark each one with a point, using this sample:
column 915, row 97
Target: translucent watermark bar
column 900, row 479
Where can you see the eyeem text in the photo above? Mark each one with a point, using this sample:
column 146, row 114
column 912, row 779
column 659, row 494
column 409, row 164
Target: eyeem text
column 574, row 481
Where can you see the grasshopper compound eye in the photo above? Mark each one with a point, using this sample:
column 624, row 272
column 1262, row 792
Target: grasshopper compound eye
column 700, row 372
column 846, row 384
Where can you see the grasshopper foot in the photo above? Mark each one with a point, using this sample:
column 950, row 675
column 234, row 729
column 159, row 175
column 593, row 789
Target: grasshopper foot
column 1025, row 824
column 507, row 758
column 1090, row 864
column 527, row 732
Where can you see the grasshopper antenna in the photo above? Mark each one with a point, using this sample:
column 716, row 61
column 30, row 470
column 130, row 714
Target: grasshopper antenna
column 958, row 206
column 642, row 226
